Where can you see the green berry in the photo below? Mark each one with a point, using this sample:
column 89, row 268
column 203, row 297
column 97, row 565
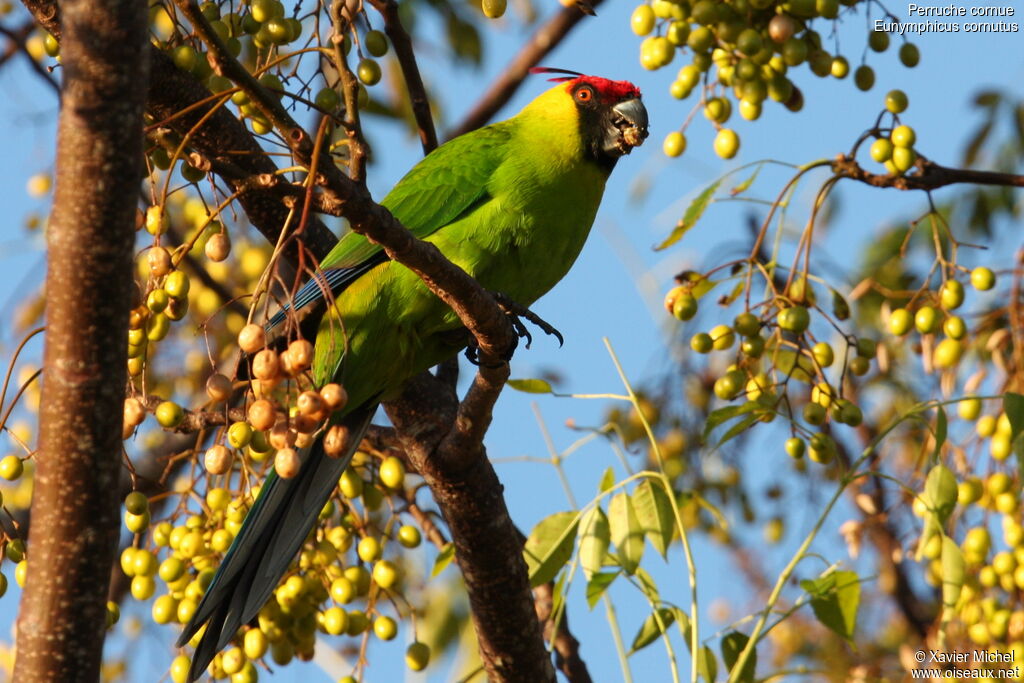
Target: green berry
column 840, row 67
column 969, row 409
column 896, row 101
column 409, row 536
column 727, row 143
column 240, row 434
column 11, row 467
column 903, row 159
column 169, row 414
column 675, row 144
column 814, row 414
column 864, row 77
column 903, row 136
column 983, row 279
column 700, row 342
column 747, row 324
column 822, row 448
column 642, row 21
column 377, row 43
column 947, row 353
column 368, row 549
column 392, row 473
column 794, row 319
column 136, row 503
column 951, row 295
column 866, row 348
column 368, row 71
column 327, row 99
column 900, row 321
column 722, row 337
column 684, row 307
column 881, row 150
column 385, row 628
column 910, row 55
column 417, row 656
column 795, row 447
column 752, row 346
column 926, row 320
column 823, row 354
column 878, row 41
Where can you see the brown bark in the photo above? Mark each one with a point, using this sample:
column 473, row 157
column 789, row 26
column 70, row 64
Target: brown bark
column 75, row 511
column 488, row 546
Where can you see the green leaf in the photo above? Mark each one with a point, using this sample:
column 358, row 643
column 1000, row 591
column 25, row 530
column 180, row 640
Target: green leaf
column 648, row 586
column 651, row 629
column 531, row 386
column 797, row 366
column 740, row 426
column 703, row 286
column 654, row 512
column 607, row 480
column 978, row 140
column 549, row 546
column 707, row 665
column 691, row 216
column 731, row 297
column 732, row 645
column 597, row 585
column 940, row 492
column 684, row 625
column 715, row 512
column 835, row 597
column 1018, row 451
column 1013, row 406
column 941, row 429
column 952, row 572
column 443, row 559
column 626, row 533
column 595, row 538
column 745, row 185
column 721, row 415
column 558, row 593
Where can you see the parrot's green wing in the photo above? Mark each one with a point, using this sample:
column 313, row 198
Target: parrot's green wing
column 443, row 186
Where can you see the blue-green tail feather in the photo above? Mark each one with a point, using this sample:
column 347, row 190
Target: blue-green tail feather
column 271, row 535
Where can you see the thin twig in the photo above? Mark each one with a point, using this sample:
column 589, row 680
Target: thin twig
column 418, row 99
column 930, row 176
column 537, row 47
column 18, row 37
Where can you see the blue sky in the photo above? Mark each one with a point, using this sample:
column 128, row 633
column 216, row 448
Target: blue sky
column 616, row 286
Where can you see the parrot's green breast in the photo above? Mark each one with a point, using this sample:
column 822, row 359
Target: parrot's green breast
column 512, row 204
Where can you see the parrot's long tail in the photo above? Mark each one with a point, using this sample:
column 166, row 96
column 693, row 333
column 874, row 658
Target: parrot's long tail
column 271, row 535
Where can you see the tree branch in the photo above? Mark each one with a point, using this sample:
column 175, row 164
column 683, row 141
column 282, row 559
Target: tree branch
column 487, row 544
column 540, row 44
column 90, row 239
column 418, row 99
column 929, row 176
column 565, row 645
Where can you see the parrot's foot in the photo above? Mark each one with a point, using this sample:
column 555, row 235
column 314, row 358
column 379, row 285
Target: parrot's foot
column 517, row 313
column 473, row 355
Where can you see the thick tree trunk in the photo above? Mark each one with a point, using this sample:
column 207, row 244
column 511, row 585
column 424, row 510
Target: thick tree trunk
column 90, row 241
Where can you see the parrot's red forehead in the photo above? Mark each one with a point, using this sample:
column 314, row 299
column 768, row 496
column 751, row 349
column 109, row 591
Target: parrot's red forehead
column 609, row 89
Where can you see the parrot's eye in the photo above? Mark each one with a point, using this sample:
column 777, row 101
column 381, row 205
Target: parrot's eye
column 585, row 94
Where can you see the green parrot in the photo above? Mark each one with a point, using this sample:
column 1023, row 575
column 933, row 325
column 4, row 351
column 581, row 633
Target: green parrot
column 511, row 204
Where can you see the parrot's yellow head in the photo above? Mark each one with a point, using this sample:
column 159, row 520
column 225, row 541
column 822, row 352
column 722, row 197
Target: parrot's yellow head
column 611, row 117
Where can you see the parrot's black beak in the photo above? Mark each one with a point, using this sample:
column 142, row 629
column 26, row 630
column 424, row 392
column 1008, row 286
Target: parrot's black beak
column 628, row 127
